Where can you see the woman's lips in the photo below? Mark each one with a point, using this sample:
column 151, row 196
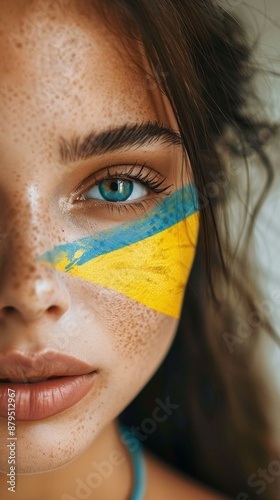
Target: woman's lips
column 57, row 382
column 39, row 400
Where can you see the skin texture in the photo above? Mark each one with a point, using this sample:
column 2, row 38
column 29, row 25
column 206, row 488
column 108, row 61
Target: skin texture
column 64, row 73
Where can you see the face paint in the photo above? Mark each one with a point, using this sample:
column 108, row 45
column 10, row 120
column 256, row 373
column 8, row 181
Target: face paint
column 148, row 260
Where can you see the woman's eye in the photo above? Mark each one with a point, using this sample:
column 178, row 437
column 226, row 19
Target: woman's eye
column 116, row 190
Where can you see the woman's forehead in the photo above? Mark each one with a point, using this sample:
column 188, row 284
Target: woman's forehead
column 66, row 64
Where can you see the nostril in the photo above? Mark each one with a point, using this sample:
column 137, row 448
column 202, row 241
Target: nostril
column 52, row 309
column 9, row 310
column 30, row 312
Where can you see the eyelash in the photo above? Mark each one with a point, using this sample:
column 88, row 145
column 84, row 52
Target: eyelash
column 150, row 180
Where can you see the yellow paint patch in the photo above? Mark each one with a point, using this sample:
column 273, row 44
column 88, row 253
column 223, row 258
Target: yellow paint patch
column 153, row 271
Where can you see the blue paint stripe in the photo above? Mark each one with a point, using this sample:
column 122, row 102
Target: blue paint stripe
column 173, row 209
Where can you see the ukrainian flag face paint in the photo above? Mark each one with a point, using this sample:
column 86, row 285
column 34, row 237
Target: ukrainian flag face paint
column 147, row 260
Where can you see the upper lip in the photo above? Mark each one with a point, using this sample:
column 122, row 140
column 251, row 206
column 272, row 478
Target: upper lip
column 41, row 365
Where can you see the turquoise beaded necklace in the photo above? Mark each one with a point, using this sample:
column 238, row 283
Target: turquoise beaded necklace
column 138, row 463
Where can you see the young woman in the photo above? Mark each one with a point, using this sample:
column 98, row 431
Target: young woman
column 118, row 124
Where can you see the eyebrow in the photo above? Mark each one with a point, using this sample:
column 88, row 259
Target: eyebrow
column 114, row 139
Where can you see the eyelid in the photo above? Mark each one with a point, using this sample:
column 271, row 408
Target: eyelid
column 145, row 175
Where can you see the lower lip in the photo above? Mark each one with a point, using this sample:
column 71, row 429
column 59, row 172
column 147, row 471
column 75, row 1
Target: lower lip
column 43, row 399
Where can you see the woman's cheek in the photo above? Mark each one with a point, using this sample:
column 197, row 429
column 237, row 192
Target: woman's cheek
column 131, row 282
column 147, row 260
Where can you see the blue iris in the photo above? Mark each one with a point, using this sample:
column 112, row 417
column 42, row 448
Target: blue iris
column 115, row 189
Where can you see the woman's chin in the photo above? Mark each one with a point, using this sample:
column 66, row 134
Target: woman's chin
column 34, row 466
column 39, row 458
column 42, row 446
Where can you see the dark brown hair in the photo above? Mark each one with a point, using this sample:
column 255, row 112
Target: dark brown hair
column 200, row 58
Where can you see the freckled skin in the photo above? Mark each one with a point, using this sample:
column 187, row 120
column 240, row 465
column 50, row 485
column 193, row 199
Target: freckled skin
column 63, row 72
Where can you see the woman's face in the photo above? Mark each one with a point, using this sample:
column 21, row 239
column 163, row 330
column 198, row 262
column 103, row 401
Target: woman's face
column 93, row 260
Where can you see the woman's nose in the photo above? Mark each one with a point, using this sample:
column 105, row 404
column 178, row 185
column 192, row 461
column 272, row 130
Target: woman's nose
column 29, row 290
column 41, row 294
